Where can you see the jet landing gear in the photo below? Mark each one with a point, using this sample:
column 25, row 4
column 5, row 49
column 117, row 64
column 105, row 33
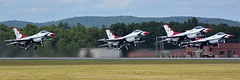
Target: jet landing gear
column 41, row 44
column 175, row 42
column 27, row 47
column 135, row 42
column 35, row 47
column 124, row 45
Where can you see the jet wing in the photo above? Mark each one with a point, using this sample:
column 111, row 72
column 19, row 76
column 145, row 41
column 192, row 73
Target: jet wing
column 163, row 37
column 103, row 40
column 111, row 40
column 202, row 40
column 14, row 40
column 194, row 42
column 12, row 43
column 114, row 40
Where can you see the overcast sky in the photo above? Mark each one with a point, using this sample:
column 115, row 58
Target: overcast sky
column 52, row 10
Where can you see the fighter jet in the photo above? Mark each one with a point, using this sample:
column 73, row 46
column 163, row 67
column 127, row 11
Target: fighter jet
column 25, row 42
column 119, row 42
column 214, row 40
column 177, row 37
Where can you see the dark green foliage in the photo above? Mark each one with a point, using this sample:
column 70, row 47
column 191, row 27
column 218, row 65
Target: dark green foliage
column 70, row 38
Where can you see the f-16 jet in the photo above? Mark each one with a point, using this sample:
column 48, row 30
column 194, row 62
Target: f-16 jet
column 119, row 42
column 26, row 42
column 214, row 40
column 177, row 37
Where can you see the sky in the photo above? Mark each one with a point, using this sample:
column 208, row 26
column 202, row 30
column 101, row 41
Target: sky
column 53, row 10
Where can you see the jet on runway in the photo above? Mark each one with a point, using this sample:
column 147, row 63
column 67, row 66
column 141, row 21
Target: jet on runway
column 25, row 42
column 119, row 42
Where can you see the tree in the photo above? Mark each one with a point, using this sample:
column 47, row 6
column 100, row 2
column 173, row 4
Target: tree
column 194, row 21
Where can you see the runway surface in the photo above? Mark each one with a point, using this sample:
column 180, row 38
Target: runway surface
column 78, row 58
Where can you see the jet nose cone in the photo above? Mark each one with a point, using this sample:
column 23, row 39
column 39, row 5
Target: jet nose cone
column 146, row 33
column 52, row 34
column 208, row 30
column 230, row 36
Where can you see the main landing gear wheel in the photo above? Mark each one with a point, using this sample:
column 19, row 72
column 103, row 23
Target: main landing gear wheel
column 25, row 48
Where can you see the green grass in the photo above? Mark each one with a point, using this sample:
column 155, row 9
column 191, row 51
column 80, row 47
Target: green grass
column 119, row 69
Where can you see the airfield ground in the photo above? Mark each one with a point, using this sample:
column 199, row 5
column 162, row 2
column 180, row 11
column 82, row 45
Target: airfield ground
column 119, row 69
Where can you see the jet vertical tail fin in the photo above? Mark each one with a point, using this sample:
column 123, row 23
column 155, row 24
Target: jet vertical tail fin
column 110, row 34
column 18, row 34
column 169, row 30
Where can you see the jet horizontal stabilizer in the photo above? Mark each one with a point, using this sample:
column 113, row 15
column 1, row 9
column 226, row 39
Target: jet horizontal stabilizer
column 12, row 43
column 10, row 40
column 102, row 39
column 163, row 37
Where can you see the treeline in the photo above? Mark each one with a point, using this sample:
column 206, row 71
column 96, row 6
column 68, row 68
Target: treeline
column 70, row 38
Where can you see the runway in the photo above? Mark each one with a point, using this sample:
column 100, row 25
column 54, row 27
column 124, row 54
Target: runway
column 78, row 58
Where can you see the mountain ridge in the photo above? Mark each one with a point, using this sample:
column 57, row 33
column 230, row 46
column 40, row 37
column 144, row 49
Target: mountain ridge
column 98, row 21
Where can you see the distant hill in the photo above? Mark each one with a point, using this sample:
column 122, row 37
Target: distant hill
column 97, row 21
column 16, row 23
